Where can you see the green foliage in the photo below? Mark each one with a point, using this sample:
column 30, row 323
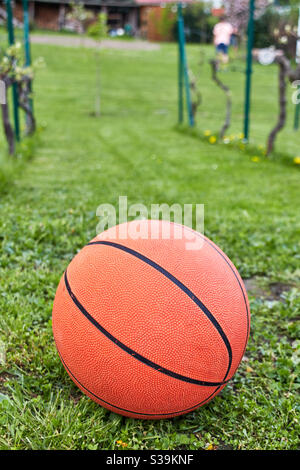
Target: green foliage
column 98, row 30
column 49, row 214
column 12, row 72
column 6, row 174
column 79, row 15
column 264, row 28
column 198, row 23
column 288, row 3
column 78, row 12
column 10, row 167
column 11, row 60
column 277, row 28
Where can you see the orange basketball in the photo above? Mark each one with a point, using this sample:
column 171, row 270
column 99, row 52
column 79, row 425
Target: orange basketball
column 148, row 326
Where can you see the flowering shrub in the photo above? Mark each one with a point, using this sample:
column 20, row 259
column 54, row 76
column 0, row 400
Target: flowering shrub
column 78, row 16
column 13, row 73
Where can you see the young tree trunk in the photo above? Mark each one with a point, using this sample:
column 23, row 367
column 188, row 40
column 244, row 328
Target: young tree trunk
column 214, row 65
column 98, row 85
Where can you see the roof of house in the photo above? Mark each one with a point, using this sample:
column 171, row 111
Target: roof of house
column 90, row 2
column 119, row 3
column 161, row 2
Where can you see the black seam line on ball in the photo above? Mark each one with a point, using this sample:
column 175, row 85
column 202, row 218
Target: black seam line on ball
column 133, row 353
column 233, row 272
column 179, row 284
column 244, row 297
column 130, row 411
column 239, row 283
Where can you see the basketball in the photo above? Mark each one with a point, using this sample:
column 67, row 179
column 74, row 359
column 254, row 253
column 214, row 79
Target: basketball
column 151, row 327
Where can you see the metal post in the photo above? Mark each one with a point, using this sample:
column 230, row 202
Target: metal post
column 181, row 38
column 297, row 115
column 27, row 45
column 249, row 70
column 298, row 42
column 11, row 40
column 180, row 66
column 297, row 110
column 26, row 33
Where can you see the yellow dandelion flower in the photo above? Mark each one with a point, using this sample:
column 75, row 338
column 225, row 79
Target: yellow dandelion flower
column 212, row 139
column 255, row 159
column 242, row 136
column 207, row 133
column 210, row 447
column 121, row 443
column 262, row 149
column 297, row 160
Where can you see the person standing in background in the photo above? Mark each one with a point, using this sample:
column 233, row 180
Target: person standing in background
column 222, row 37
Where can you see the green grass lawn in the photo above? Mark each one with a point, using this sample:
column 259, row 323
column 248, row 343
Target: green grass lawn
column 48, row 213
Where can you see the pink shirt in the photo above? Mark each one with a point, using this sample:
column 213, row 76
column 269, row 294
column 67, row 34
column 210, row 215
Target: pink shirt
column 222, row 33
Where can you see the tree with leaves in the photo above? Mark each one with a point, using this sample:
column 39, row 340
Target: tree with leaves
column 78, row 16
column 12, row 73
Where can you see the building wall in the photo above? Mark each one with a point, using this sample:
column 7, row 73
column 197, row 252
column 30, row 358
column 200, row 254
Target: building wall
column 150, row 23
column 46, row 16
column 143, row 19
column 18, row 11
column 144, row 13
column 43, row 15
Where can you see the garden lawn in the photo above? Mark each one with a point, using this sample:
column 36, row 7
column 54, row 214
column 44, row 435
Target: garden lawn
column 134, row 149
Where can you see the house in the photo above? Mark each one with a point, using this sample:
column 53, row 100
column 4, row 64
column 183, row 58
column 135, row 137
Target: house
column 135, row 14
column 51, row 14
